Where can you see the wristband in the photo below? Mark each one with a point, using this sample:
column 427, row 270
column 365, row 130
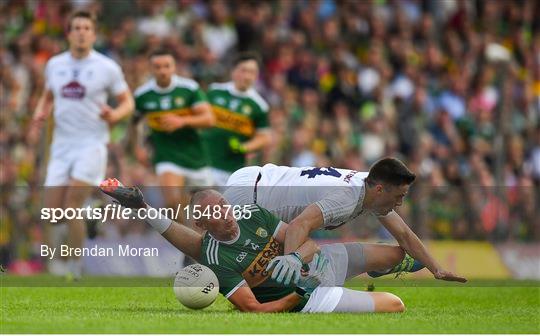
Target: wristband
column 297, row 255
column 161, row 224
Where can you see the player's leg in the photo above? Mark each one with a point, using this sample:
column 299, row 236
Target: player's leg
column 172, row 182
column 54, row 195
column 353, row 301
column 55, row 233
column 89, row 167
column 327, row 299
column 76, row 194
column 348, row 260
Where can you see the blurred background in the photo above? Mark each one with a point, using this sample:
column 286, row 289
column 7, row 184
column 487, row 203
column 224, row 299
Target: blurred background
column 348, row 82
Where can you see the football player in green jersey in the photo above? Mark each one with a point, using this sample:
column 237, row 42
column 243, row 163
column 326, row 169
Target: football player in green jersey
column 242, row 246
column 175, row 108
column 241, row 119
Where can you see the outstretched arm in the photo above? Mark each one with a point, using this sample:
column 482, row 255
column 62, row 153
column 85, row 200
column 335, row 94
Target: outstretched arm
column 412, row 244
column 180, row 236
column 185, row 239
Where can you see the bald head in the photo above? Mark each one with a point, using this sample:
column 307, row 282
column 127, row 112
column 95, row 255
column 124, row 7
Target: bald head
column 206, row 197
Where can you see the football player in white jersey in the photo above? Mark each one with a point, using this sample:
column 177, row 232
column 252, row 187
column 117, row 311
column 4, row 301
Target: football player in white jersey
column 313, row 198
column 78, row 83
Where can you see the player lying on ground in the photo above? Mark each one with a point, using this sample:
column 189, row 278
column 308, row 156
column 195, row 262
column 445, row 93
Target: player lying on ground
column 313, row 198
column 242, row 248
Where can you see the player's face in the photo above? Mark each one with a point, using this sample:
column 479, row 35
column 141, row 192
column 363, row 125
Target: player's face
column 82, row 34
column 163, row 68
column 245, row 74
column 220, row 221
column 388, row 198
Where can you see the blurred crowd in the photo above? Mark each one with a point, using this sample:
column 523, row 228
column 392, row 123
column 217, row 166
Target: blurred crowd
column 348, row 82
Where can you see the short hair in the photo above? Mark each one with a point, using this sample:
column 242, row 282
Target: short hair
column 246, row 56
column 161, row 52
column 81, row 14
column 390, row 171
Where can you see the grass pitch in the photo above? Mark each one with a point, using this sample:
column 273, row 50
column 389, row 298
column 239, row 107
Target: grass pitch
column 432, row 307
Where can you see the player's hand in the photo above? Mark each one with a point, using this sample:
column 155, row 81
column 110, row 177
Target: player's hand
column 236, row 146
column 32, row 137
column 170, row 122
column 448, row 276
column 316, row 274
column 286, row 268
column 141, row 154
column 108, row 114
column 130, row 197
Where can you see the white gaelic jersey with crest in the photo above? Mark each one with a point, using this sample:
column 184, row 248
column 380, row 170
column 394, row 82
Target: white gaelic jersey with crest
column 80, row 87
column 287, row 191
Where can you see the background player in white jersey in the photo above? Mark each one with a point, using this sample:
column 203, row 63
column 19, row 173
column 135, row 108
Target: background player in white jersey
column 312, row 198
column 78, row 83
column 242, row 249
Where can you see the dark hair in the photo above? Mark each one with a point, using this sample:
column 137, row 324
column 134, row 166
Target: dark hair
column 390, row 171
column 161, row 52
column 246, row 56
column 81, row 14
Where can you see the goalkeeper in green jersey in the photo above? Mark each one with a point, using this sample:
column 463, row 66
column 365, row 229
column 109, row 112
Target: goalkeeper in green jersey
column 241, row 119
column 244, row 247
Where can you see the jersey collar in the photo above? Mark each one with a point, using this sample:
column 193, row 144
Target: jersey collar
column 167, row 89
column 229, row 242
column 233, row 90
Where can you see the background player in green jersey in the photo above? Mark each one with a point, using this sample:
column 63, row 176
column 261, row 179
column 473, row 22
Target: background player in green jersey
column 241, row 119
column 175, row 108
column 242, row 247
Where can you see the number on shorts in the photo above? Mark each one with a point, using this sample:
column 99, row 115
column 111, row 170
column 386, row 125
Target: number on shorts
column 328, row 171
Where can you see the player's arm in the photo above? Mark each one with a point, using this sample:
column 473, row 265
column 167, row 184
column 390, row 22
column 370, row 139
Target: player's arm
column 414, row 246
column 43, row 111
column 244, row 299
column 180, row 236
column 185, row 239
column 202, row 117
column 306, row 250
column 125, row 107
column 300, row 227
column 260, row 140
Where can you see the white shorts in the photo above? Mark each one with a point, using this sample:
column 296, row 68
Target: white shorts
column 325, row 298
column 219, row 177
column 194, row 177
column 86, row 163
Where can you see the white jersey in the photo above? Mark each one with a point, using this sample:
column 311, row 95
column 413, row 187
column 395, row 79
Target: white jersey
column 287, row 191
column 80, row 87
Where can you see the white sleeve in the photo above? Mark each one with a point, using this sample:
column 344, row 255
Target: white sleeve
column 337, row 206
column 117, row 83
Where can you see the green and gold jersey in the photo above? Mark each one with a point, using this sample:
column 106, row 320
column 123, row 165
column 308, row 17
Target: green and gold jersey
column 243, row 262
column 184, row 146
column 238, row 114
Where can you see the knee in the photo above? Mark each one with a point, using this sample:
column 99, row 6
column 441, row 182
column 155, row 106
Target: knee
column 389, row 303
column 396, row 305
column 398, row 253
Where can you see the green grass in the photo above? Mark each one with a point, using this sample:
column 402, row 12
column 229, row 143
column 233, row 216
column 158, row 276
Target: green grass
column 432, row 307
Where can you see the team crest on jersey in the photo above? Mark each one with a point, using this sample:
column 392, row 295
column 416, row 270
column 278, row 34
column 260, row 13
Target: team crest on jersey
column 150, row 105
column 179, row 101
column 220, row 101
column 261, row 232
column 165, row 103
column 73, row 90
column 233, row 105
column 246, row 109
